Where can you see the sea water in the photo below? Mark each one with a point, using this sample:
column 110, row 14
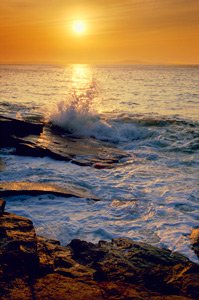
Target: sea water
column 149, row 112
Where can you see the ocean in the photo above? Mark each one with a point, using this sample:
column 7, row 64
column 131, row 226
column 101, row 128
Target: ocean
column 149, row 112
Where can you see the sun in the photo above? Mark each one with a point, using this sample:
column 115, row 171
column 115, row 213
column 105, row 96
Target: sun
column 79, row 27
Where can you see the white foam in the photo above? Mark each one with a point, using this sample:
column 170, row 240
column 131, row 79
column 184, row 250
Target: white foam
column 74, row 113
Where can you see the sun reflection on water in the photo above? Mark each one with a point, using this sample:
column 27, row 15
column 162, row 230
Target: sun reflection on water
column 83, row 87
column 82, row 80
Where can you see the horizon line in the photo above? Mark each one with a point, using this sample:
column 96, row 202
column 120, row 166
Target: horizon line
column 133, row 63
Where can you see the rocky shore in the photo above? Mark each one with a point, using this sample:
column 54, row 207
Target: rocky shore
column 33, row 267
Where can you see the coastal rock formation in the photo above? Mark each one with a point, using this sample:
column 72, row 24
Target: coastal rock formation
column 33, row 267
column 36, row 188
column 41, row 140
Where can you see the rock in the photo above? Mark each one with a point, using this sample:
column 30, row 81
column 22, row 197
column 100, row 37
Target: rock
column 2, row 206
column 17, row 128
column 102, row 166
column 33, row 189
column 30, row 149
column 194, row 237
column 57, row 286
column 18, row 257
column 57, row 258
column 39, row 268
column 83, row 151
column 41, row 140
column 18, row 246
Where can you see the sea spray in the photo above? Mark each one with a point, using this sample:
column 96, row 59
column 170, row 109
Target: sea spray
column 76, row 116
column 79, row 118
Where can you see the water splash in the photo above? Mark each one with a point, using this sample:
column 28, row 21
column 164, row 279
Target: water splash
column 79, row 118
column 75, row 116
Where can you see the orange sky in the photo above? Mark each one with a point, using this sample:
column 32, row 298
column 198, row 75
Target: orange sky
column 154, row 31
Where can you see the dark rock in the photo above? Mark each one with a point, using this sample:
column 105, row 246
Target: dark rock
column 82, row 162
column 18, row 246
column 102, row 166
column 86, row 253
column 2, row 206
column 39, row 268
column 18, row 257
column 30, row 149
column 17, row 128
column 56, row 258
column 194, row 237
column 33, row 189
column 49, row 241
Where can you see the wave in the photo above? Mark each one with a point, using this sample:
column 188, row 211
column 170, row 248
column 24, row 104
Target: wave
column 79, row 119
column 152, row 121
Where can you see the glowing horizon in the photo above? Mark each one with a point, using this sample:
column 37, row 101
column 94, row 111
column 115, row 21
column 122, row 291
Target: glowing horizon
column 148, row 31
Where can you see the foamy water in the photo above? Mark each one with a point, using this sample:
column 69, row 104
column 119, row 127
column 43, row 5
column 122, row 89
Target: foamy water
column 149, row 112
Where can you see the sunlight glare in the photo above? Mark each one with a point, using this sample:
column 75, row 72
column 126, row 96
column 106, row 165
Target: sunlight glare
column 79, row 27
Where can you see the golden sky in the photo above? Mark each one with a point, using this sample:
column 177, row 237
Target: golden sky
column 153, row 31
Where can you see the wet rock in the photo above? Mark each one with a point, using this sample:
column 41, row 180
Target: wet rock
column 40, row 140
column 27, row 148
column 83, row 151
column 194, row 237
column 35, row 267
column 102, row 166
column 19, row 128
column 33, row 189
